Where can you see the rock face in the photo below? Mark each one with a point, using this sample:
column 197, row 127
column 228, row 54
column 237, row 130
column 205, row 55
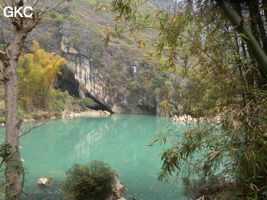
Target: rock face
column 91, row 78
column 117, row 189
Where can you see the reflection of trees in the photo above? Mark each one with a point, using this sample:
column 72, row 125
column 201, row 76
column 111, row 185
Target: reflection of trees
column 87, row 141
column 69, row 141
column 119, row 137
column 119, row 140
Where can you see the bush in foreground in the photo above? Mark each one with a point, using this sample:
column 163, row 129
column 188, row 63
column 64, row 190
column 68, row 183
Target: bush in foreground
column 93, row 181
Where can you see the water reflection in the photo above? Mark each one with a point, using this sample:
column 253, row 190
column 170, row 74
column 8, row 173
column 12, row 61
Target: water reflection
column 119, row 140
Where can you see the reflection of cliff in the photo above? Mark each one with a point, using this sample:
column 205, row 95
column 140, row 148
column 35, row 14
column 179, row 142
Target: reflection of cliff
column 86, row 144
column 119, row 140
column 118, row 136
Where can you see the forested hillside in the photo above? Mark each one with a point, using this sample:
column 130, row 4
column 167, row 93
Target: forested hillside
column 117, row 76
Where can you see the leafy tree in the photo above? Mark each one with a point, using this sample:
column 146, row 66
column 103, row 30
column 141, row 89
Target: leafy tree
column 37, row 73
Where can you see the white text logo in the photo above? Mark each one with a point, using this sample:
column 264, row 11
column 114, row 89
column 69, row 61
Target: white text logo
column 23, row 11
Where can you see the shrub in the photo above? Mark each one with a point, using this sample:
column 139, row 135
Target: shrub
column 41, row 115
column 55, row 17
column 93, row 181
column 87, row 103
column 212, row 187
column 61, row 100
column 2, row 108
column 134, row 86
column 2, row 119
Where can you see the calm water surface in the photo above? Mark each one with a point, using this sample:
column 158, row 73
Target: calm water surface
column 119, row 140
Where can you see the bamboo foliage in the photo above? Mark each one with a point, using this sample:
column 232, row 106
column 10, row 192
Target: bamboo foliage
column 216, row 48
column 37, row 73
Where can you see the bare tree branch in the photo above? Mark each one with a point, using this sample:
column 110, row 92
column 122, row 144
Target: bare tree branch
column 34, row 127
column 35, row 3
column 50, row 8
column 2, row 55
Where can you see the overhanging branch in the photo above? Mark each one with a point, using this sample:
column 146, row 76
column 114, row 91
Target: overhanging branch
column 34, row 127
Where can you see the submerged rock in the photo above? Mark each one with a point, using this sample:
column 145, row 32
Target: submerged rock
column 44, row 181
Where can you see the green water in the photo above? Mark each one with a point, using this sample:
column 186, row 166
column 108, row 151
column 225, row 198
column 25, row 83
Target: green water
column 119, row 140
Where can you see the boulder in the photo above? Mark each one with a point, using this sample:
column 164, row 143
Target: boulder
column 117, row 189
column 44, row 181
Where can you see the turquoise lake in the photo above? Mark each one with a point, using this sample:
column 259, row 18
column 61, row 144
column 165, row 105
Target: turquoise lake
column 119, row 140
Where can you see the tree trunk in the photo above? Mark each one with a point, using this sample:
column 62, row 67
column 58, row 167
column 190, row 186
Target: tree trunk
column 14, row 168
column 14, row 171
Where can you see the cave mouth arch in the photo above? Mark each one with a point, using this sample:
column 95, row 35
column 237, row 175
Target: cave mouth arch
column 66, row 82
column 101, row 106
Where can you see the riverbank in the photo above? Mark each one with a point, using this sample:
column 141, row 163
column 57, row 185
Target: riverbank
column 188, row 119
column 87, row 113
column 66, row 114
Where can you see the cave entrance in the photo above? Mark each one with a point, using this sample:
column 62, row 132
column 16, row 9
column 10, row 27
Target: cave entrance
column 66, row 81
column 101, row 106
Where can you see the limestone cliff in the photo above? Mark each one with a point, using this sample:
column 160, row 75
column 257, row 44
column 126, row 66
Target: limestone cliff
column 98, row 77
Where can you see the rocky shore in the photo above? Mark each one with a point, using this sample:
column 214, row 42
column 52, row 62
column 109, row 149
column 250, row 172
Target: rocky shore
column 66, row 114
column 188, row 119
column 117, row 188
column 88, row 113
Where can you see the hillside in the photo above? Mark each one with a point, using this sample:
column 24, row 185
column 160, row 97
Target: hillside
column 117, row 76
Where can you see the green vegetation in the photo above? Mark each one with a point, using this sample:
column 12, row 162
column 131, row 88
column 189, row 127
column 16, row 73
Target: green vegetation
column 221, row 58
column 61, row 100
column 93, row 181
column 58, row 18
column 37, row 73
column 134, row 86
column 205, row 58
column 40, row 68
column 87, row 103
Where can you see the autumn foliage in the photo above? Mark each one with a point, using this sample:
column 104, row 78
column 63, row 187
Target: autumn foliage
column 37, row 73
